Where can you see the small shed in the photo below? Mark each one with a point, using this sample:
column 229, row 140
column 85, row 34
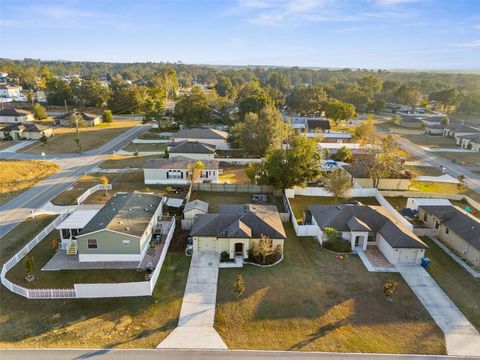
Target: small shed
column 193, row 208
column 414, row 203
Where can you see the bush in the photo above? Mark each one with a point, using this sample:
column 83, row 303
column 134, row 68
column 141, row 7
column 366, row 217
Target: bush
column 107, row 116
column 39, row 112
column 44, row 139
column 224, row 256
column 270, row 259
column 339, row 246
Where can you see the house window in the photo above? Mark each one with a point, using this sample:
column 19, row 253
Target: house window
column 74, row 232
column 126, row 242
column 437, row 224
column 92, row 243
column 447, row 231
column 65, row 233
column 425, row 217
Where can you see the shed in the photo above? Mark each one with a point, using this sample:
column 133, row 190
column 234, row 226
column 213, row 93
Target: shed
column 414, row 203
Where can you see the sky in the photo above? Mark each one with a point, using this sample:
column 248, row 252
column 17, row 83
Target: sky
column 374, row 34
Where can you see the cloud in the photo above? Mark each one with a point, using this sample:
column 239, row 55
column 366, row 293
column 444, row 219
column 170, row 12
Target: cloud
column 469, row 44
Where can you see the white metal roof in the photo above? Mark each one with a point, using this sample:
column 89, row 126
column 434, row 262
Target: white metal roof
column 173, row 202
column 78, row 219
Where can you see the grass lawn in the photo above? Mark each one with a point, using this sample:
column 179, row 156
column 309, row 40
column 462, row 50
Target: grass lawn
column 467, row 159
column 300, row 203
column 425, row 170
column 90, row 137
column 5, row 144
column 460, row 286
column 126, row 161
column 20, row 175
column 431, row 141
column 121, row 182
column 214, row 199
column 140, row 322
column 312, row 301
column 446, row 188
column 153, row 134
column 233, row 175
column 145, row 147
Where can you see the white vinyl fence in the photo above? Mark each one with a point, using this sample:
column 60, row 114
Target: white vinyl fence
column 90, row 191
column 146, row 141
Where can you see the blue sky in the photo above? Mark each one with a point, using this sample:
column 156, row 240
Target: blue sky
column 418, row 34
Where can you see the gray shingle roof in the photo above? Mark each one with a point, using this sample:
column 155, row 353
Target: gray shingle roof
column 128, row 213
column 314, row 124
column 254, row 221
column 341, row 217
column 196, row 204
column 200, row 133
column 85, row 116
column 14, row 112
column 29, row 127
column 179, row 163
column 192, row 147
column 462, row 224
column 462, row 128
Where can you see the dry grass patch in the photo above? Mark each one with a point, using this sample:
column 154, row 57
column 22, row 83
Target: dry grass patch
column 5, row 144
column 313, row 302
column 233, row 175
column 215, row 199
column 431, row 141
column 90, row 138
column 145, row 147
column 462, row 158
column 20, row 175
column 126, row 161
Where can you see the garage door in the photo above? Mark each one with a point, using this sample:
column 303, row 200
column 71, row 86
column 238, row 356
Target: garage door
column 206, row 245
column 407, row 256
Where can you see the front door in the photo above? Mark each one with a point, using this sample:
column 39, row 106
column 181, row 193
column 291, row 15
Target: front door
column 238, row 249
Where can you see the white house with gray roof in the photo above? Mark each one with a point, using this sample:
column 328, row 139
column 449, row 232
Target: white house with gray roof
column 191, row 149
column 364, row 226
column 203, row 135
column 471, row 142
column 457, row 131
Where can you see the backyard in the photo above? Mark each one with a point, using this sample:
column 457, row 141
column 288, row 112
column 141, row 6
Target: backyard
column 90, row 138
column 233, row 174
column 214, row 199
column 314, row 301
column 20, row 175
column 460, row 286
column 141, row 322
column 444, row 188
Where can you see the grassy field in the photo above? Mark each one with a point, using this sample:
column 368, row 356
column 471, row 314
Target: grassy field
column 20, row 175
column 425, row 170
column 214, row 199
column 121, row 182
column 233, row 175
column 145, row 147
column 431, row 141
column 90, row 138
column 312, row 301
column 467, row 159
column 5, row 144
column 460, row 286
column 126, row 161
column 301, row 203
column 445, row 188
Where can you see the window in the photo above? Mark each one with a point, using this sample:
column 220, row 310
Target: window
column 126, row 242
column 66, row 233
column 92, row 243
column 74, row 232
column 447, row 231
column 425, row 217
column 437, row 224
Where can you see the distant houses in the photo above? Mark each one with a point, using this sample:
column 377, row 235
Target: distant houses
column 214, row 137
column 8, row 91
column 86, row 118
column 25, row 131
column 15, row 116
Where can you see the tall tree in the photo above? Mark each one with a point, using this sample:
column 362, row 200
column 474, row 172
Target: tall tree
column 58, row 91
column 307, row 100
column 338, row 183
column 252, row 98
column 337, row 110
column 224, row 87
column 193, row 109
column 408, row 95
column 448, row 99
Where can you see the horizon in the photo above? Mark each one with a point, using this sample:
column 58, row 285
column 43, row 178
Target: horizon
column 409, row 35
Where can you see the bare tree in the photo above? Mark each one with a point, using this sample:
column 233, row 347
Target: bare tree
column 263, row 247
column 339, row 184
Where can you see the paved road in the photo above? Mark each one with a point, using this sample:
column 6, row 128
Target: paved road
column 73, row 166
column 199, row 355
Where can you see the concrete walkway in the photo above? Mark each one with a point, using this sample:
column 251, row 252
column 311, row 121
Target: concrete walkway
column 195, row 326
column 19, row 145
column 460, row 336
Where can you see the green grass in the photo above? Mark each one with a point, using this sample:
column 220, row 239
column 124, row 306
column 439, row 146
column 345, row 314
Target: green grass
column 214, row 199
column 312, row 301
column 460, row 286
column 301, row 203
column 444, row 188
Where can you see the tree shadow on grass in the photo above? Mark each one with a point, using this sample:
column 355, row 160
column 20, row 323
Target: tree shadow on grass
column 322, row 331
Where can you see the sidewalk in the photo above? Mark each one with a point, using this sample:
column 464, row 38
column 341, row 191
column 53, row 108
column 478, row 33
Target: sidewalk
column 19, row 145
column 195, row 326
column 460, row 336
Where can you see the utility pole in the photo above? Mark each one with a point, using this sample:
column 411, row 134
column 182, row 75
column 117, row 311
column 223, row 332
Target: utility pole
column 65, row 101
column 77, row 131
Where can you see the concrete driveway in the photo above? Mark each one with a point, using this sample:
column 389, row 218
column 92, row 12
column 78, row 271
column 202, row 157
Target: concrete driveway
column 460, row 335
column 195, row 326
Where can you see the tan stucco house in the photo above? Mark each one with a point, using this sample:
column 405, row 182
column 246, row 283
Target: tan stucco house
column 88, row 119
column 26, row 131
column 456, row 228
column 235, row 227
column 15, row 116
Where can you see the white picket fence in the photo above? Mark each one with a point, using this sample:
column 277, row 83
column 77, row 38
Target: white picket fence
column 90, row 191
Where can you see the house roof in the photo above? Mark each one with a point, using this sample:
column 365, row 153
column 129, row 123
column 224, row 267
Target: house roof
column 200, row 133
column 192, row 147
column 462, row 128
column 14, row 112
column 315, row 124
column 361, row 170
column 252, row 222
column 85, row 116
column 435, row 126
column 128, row 213
column 464, row 225
column 179, row 163
column 29, row 127
column 79, row 218
column 350, row 217
column 197, row 205
column 472, row 137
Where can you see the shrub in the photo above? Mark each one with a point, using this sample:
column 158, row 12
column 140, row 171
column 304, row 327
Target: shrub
column 339, row 246
column 224, row 256
column 39, row 112
column 107, row 116
column 273, row 257
column 389, row 288
column 239, row 286
column 44, row 139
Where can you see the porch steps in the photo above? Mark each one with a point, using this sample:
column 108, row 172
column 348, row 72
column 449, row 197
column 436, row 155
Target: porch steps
column 72, row 249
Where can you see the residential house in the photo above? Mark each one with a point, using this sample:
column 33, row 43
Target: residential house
column 410, row 122
column 194, row 208
column 470, row 142
column 203, row 135
column 456, row 228
column 191, row 149
column 15, row 116
column 120, row 231
column 364, row 226
column 414, row 203
column 87, row 119
column 8, row 91
column 459, row 130
column 316, row 126
column 435, row 129
column 175, row 171
column 26, row 131
column 235, row 228
column 336, row 137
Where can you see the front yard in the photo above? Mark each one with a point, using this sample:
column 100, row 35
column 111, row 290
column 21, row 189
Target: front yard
column 431, row 141
column 90, row 138
column 126, row 161
column 214, row 199
column 145, row 148
column 460, row 286
column 313, row 301
column 20, row 175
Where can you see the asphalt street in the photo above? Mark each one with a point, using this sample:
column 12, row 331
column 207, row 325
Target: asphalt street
column 73, row 166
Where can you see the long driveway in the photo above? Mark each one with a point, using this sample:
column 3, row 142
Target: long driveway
column 460, row 335
column 73, row 166
column 195, row 325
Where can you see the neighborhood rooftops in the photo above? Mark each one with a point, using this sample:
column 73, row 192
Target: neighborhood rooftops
column 464, row 225
column 29, row 127
column 316, row 124
column 85, row 116
column 178, row 163
column 350, row 217
column 200, row 133
column 14, row 112
column 462, row 128
column 128, row 213
column 243, row 221
column 192, row 147
column 196, row 204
